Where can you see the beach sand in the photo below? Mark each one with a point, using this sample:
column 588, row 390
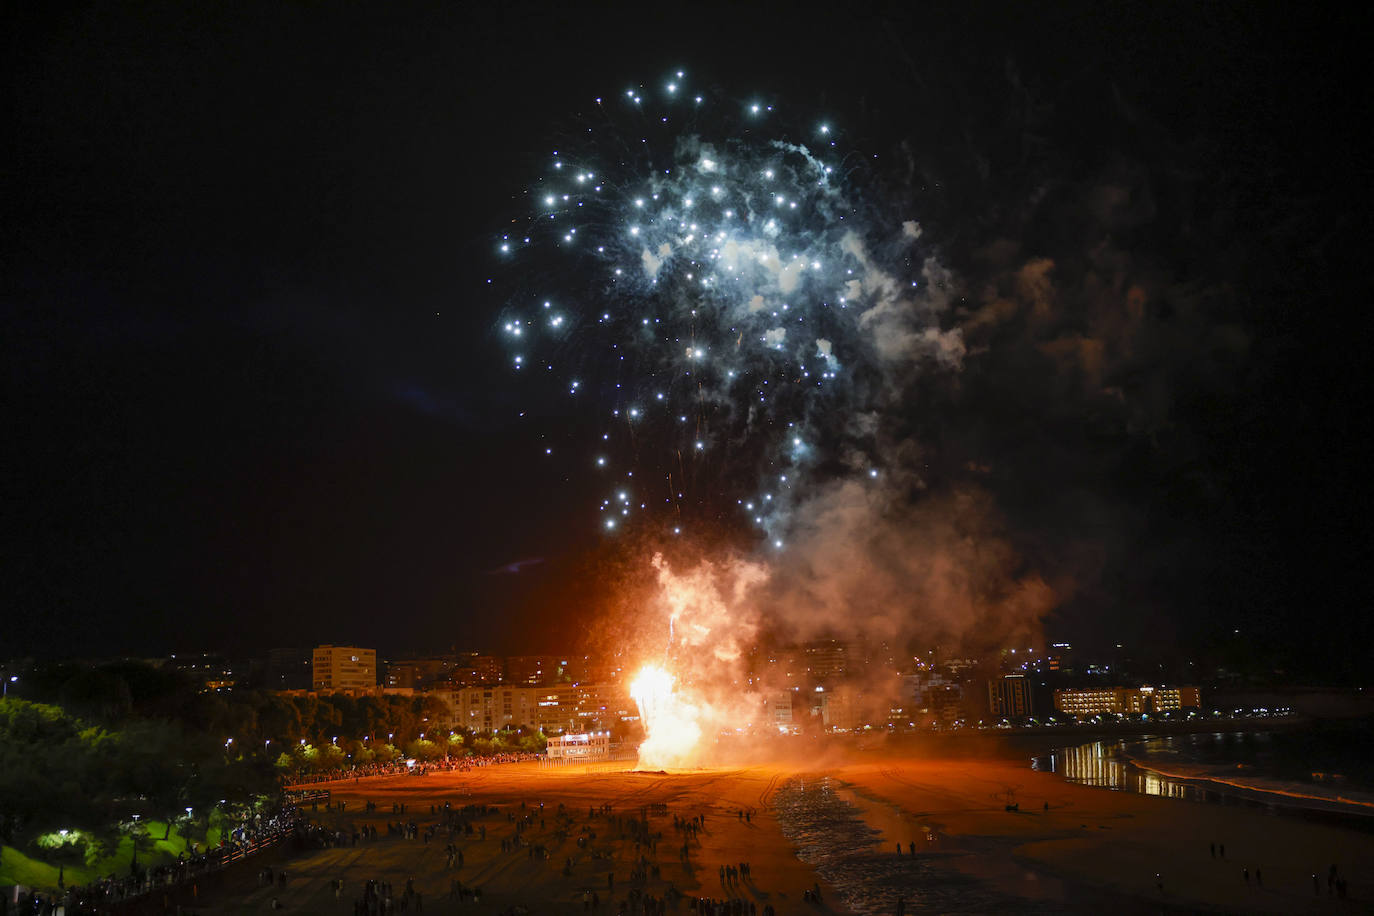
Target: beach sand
column 1091, row 850
column 1120, row 842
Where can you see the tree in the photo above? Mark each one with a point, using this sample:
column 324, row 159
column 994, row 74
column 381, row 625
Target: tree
column 423, row 749
column 43, row 764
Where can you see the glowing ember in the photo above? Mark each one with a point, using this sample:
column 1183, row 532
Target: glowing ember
column 671, row 730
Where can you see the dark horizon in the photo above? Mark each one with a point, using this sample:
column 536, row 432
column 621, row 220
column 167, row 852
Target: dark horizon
column 255, row 388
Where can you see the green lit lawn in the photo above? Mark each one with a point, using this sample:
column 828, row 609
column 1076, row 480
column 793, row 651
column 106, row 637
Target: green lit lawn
column 18, row 868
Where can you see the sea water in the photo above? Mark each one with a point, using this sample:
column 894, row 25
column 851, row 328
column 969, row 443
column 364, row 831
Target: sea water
column 1223, row 768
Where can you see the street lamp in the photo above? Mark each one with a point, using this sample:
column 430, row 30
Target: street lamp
column 13, row 678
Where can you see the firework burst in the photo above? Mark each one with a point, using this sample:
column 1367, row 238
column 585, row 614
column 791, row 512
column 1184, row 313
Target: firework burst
column 699, row 276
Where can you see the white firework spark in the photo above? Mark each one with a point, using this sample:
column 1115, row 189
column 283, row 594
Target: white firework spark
column 707, row 285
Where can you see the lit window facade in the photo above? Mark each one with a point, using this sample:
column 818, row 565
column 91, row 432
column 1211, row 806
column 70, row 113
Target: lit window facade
column 559, row 708
column 1125, row 700
column 343, row 668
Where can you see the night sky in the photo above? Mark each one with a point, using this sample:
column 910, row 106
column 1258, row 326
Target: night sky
column 254, row 393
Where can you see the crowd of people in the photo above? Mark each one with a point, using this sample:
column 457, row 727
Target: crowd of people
column 379, row 898
column 592, row 834
column 530, row 832
column 414, row 767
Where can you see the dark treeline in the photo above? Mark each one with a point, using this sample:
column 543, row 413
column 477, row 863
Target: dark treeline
column 87, row 747
column 73, row 785
column 364, row 729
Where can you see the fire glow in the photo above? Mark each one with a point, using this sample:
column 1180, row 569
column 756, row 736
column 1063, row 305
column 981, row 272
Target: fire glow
column 704, row 614
column 671, row 727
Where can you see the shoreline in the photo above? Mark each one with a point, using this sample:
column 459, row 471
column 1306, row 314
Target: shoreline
column 1065, row 735
column 1272, row 794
